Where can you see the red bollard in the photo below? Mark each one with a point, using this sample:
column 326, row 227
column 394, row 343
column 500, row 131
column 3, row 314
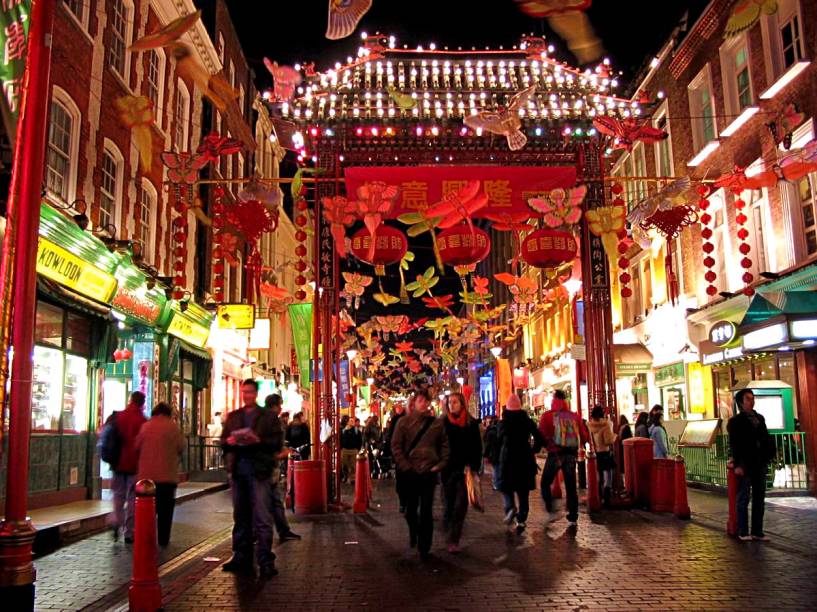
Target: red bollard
column 681, row 507
column 145, row 594
column 593, row 497
column 732, row 494
column 363, row 487
column 556, row 486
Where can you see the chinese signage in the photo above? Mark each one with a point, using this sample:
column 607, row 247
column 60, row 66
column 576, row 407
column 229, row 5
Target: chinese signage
column 15, row 19
column 300, row 316
column 136, row 305
column 345, row 389
column 236, row 316
column 722, row 333
column 598, row 264
column 188, row 330
column 59, row 265
column 326, row 255
column 143, row 370
column 508, row 188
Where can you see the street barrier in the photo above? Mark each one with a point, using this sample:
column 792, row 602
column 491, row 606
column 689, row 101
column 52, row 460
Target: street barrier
column 681, row 506
column 662, row 485
column 145, row 594
column 732, row 494
column 310, row 487
column 638, row 457
column 363, row 484
column 593, row 496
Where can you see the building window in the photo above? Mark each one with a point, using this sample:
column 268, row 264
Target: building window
column 182, row 117
column 144, row 217
column 117, row 51
column 221, row 48
column 719, row 240
column 702, row 109
column 111, row 189
column 231, row 74
column 663, row 148
column 737, row 78
column 77, row 9
column 639, row 168
column 791, row 40
column 241, row 98
column 757, row 205
column 804, row 191
column 154, row 80
column 63, row 147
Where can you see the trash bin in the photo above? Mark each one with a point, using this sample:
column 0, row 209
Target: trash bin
column 638, row 453
column 310, row 487
column 662, row 485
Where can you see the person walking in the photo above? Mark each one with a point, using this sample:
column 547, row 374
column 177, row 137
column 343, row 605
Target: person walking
column 298, row 436
column 351, row 441
column 564, row 434
column 399, row 412
column 491, row 450
column 642, row 425
column 127, row 423
column 464, row 450
column 752, row 450
column 603, row 439
column 273, row 404
column 518, row 441
column 420, row 449
column 252, row 439
column 658, row 435
column 160, row 444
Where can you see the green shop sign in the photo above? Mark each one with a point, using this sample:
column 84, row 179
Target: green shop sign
column 133, row 298
column 670, row 375
column 192, row 325
column 15, row 19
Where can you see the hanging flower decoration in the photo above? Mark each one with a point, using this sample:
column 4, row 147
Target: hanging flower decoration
column 627, row 132
column 560, row 206
column 285, row 80
column 356, row 283
column 458, row 205
column 375, row 200
column 339, row 213
column 438, row 326
column 253, row 219
column 504, row 122
column 746, row 13
column 136, row 114
column 481, row 286
column 213, row 146
column 423, row 283
column 606, row 222
column 523, row 288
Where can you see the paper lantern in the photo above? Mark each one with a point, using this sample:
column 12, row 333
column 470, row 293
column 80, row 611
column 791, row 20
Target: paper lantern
column 390, row 244
column 463, row 245
column 549, row 248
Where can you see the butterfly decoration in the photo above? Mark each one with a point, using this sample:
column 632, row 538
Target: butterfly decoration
column 458, row 205
column 568, row 19
column 626, row 132
column 672, row 194
column 407, row 258
column 746, row 13
column 509, row 221
column 285, row 80
column 213, row 146
column 783, row 126
column 214, row 87
column 344, row 15
column 560, row 206
column 183, row 168
column 386, row 299
column 136, row 113
column 375, row 200
column 402, row 100
column 419, row 223
column 403, row 347
column 339, row 213
column 505, row 122
column 423, row 283
column 389, row 324
column 355, row 286
column 523, row 288
column 606, row 222
column 443, row 302
column 167, row 34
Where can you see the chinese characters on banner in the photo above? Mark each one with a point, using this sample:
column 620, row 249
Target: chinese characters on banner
column 508, row 188
column 15, row 17
column 326, row 255
column 598, row 264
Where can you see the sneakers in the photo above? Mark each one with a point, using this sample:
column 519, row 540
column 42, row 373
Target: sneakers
column 761, row 538
column 454, row 549
column 289, row 535
column 236, row 566
column 745, row 538
column 268, row 571
column 509, row 516
column 520, row 528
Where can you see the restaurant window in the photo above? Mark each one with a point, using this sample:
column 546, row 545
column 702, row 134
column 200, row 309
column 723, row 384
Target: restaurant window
column 702, row 109
column 719, row 239
column 723, row 392
column 59, row 394
column 741, row 375
column 790, row 32
column 144, row 214
column 786, row 369
column 766, row 369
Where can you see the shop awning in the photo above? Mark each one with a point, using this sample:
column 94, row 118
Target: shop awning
column 765, row 306
column 631, row 358
column 193, row 351
column 71, row 299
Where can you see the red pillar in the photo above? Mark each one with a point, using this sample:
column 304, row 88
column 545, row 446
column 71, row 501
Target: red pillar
column 144, row 593
column 17, row 572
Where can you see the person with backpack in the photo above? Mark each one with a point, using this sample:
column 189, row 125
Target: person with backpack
column 117, row 445
column 420, row 449
column 564, row 434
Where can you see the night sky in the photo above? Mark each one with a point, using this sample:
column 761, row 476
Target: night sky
column 293, row 31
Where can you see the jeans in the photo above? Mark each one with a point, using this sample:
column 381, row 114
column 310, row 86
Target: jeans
column 123, row 492
column 279, row 515
column 567, row 463
column 400, row 487
column 165, row 504
column 524, row 506
column 348, row 459
column 419, row 496
column 495, row 476
column 455, row 498
column 756, row 481
column 252, row 519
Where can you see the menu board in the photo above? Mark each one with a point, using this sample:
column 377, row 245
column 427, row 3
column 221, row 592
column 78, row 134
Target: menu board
column 700, row 433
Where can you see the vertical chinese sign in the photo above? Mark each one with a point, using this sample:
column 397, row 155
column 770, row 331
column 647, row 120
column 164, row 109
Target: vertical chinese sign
column 15, row 17
column 598, row 264
column 300, row 316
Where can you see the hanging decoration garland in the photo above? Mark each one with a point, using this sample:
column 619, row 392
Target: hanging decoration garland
column 707, row 247
column 745, row 248
column 300, row 251
column 624, row 277
column 252, row 218
column 218, row 244
column 669, row 224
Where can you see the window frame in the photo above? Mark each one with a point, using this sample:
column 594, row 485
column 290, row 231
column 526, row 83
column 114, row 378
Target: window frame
column 772, row 39
column 182, row 93
column 731, row 96
column 701, row 80
column 61, row 97
column 160, row 85
column 148, row 189
column 82, row 20
column 110, row 149
column 662, row 114
column 127, row 6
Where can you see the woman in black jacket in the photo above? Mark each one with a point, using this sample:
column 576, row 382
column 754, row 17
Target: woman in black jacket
column 517, row 461
column 465, row 450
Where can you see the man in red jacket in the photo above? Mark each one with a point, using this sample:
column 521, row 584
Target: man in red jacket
column 564, row 433
column 128, row 423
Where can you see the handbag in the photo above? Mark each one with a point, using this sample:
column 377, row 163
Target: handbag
column 473, row 486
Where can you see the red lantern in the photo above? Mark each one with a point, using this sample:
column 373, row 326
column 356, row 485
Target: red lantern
column 389, row 247
column 549, row 248
column 463, row 245
column 117, row 355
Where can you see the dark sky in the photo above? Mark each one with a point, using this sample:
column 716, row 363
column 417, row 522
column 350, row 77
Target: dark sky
column 290, row 31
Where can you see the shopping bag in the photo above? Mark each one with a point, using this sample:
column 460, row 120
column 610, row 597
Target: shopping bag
column 474, row 488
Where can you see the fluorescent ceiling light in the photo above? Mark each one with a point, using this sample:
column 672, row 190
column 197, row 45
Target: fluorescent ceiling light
column 766, row 336
column 747, row 114
column 704, row 153
column 784, row 80
column 805, row 328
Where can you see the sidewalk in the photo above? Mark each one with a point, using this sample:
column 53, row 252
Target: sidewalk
column 619, row 560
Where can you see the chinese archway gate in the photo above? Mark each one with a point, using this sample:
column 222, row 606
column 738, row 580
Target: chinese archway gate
column 397, row 116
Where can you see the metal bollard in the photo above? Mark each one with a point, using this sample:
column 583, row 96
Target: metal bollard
column 593, row 497
column 363, row 487
column 732, row 494
column 145, row 594
column 681, row 506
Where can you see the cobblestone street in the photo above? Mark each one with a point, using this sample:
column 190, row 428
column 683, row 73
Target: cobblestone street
column 619, row 560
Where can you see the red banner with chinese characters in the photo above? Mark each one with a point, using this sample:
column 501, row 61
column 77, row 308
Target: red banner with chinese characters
column 507, row 187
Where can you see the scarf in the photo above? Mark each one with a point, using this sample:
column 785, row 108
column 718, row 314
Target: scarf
column 459, row 421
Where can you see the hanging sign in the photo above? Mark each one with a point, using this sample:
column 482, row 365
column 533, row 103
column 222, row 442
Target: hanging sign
column 188, row 330
column 260, row 335
column 723, row 333
column 326, row 254
column 300, row 317
column 15, row 19
column 508, row 188
column 61, row 266
column 137, row 304
column 600, row 278
column 236, row 316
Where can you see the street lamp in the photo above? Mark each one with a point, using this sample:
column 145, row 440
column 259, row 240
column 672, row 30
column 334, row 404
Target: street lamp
column 496, row 351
